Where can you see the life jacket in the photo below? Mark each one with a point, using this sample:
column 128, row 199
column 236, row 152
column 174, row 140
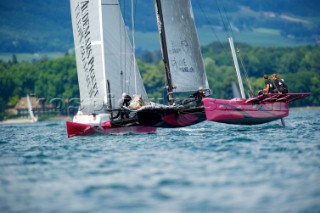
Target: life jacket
column 126, row 100
column 281, row 86
column 271, row 85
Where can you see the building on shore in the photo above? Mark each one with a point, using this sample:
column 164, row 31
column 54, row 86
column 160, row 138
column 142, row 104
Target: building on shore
column 39, row 107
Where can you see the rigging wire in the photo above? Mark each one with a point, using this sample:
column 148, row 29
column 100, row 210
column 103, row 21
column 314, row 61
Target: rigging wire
column 132, row 53
column 238, row 50
column 228, row 21
column 208, row 21
column 127, row 76
column 246, row 74
column 135, row 11
column 122, row 74
column 133, row 46
column 127, row 82
column 124, row 54
column 222, row 19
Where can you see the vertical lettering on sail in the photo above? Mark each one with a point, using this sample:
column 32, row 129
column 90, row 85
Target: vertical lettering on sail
column 87, row 57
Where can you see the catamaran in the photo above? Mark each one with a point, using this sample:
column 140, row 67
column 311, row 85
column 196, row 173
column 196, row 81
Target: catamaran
column 184, row 68
column 106, row 69
column 255, row 110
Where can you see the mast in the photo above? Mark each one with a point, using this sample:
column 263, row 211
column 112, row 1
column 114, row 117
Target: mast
column 164, row 49
column 109, row 99
column 235, row 61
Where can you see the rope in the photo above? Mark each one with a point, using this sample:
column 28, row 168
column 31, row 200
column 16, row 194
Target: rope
column 238, row 49
column 125, row 50
column 230, row 27
column 208, row 21
column 246, row 74
column 222, row 19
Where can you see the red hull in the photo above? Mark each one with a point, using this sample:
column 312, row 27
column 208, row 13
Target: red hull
column 79, row 129
column 171, row 117
column 257, row 110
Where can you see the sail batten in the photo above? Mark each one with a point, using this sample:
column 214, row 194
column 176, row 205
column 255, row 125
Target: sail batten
column 184, row 59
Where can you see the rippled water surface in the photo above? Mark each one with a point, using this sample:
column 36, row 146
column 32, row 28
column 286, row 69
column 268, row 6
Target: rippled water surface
column 208, row 167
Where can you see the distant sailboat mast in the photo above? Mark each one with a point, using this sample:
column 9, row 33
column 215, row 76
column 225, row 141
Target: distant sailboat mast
column 164, row 49
column 30, row 109
column 235, row 61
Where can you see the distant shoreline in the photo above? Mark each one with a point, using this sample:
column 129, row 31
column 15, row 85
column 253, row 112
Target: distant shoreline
column 15, row 121
column 65, row 118
column 306, row 108
column 26, row 120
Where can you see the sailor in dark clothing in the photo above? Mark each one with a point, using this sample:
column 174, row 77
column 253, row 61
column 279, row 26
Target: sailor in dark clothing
column 198, row 96
column 281, row 87
column 125, row 102
column 269, row 85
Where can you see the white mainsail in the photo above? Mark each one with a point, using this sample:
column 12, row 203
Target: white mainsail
column 182, row 45
column 103, row 53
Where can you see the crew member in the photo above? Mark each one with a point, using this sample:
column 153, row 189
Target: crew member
column 125, row 102
column 198, row 96
column 281, row 87
column 269, row 85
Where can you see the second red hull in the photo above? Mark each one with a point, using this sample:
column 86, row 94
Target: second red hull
column 257, row 110
column 237, row 111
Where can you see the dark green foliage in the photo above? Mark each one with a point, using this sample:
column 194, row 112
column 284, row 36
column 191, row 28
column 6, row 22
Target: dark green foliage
column 299, row 66
column 153, row 78
column 46, row 78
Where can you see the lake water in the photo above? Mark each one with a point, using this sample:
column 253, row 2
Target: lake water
column 208, row 167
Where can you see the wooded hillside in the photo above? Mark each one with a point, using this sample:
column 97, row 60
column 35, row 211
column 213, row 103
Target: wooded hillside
column 45, row 26
column 299, row 66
